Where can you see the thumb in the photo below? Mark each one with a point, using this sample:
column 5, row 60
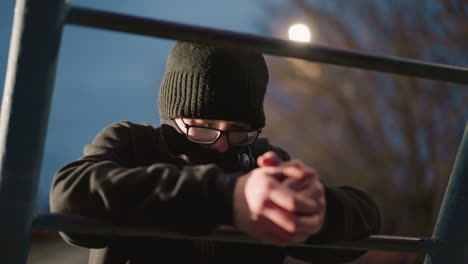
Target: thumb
column 269, row 159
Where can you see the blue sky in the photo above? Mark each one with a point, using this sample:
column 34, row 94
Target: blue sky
column 105, row 76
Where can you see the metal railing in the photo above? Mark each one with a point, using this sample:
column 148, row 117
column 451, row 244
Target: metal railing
column 74, row 224
column 35, row 42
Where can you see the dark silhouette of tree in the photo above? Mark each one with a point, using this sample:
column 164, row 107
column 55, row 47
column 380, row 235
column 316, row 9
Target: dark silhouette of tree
column 394, row 136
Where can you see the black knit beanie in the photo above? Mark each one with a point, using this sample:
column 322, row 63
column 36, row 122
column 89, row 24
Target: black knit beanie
column 214, row 83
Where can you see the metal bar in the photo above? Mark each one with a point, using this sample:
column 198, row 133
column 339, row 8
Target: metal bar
column 317, row 53
column 35, row 39
column 451, row 229
column 74, row 224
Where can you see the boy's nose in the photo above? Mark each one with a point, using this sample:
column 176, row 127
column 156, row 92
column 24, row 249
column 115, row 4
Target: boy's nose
column 221, row 145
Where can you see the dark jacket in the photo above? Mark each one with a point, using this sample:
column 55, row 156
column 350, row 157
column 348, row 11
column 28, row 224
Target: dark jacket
column 129, row 177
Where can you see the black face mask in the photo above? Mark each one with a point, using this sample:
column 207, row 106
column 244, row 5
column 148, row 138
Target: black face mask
column 186, row 152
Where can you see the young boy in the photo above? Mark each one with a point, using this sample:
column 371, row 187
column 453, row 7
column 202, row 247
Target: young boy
column 205, row 167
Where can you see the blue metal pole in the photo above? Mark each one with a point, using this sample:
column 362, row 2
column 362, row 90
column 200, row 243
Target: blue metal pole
column 451, row 229
column 32, row 60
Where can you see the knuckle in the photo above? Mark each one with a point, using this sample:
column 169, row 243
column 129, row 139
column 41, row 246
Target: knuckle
column 268, row 186
column 292, row 163
column 297, row 163
column 313, row 172
column 322, row 204
column 293, row 228
column 313, row 205
column 320, row 189
column 319, row 204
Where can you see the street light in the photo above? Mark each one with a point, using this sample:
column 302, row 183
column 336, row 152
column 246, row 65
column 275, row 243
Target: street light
column 299, row 32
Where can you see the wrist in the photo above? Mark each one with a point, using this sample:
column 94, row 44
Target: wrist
column 225, row 185
column 239, row 202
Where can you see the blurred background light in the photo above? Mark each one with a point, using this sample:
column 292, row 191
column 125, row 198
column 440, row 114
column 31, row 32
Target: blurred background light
column 299, row 32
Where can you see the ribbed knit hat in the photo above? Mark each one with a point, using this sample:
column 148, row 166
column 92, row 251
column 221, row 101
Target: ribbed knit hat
column 214, row 83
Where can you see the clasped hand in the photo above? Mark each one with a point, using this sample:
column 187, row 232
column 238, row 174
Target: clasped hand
column 279, row 202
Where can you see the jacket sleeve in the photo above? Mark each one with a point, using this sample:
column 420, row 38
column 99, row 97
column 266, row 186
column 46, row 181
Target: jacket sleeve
column 350, row 215
column 104, row 186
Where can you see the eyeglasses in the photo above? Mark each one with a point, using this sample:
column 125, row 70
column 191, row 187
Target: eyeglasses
column 209, row 135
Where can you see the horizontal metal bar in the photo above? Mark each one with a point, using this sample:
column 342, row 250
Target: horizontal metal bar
column 74, row 224
column 274, row 46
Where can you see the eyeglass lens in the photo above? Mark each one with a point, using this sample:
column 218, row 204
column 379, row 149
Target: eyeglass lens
column 209, row 136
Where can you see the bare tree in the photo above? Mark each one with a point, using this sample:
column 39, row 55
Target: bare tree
column 393, row 136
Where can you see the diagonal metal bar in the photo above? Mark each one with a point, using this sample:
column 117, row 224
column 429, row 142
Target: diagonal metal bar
column 451, row 228
column 74, row 224
column 273, row 46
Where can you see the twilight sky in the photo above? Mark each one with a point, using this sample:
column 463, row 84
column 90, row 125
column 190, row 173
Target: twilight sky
column 105, row 76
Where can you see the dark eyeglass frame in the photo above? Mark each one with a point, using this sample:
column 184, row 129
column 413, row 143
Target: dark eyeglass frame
column 220, row 132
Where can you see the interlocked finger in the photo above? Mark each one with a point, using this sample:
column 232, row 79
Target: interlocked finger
column 282, row 218
column 272, row 233
column 307, row 226
column 293, row 202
